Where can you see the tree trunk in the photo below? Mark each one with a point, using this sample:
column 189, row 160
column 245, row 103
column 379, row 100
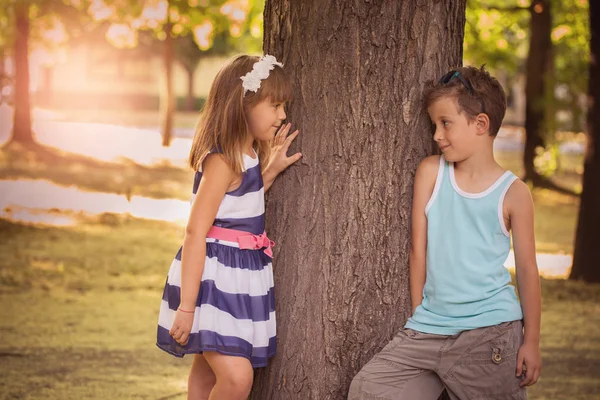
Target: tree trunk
column 539, row 57
column 47, row 85
column 3, row 77
column 22, row 131
column 587, row 251
column 191, row 99
column 341, row 216
column 168, row 99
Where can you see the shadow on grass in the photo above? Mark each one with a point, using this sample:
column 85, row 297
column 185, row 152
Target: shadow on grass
column 34, row 161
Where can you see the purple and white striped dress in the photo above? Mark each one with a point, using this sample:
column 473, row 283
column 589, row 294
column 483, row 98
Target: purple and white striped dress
column 235, row 310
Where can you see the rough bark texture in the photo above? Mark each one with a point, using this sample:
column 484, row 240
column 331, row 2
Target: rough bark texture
column 22, row 131
column 587, row 250
column 537, row 69
column 341, row 216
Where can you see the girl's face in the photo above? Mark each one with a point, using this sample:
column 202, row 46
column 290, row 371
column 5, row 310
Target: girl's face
column 265, row 118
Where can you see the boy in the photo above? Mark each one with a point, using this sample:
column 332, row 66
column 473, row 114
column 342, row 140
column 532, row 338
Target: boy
column 466, row 330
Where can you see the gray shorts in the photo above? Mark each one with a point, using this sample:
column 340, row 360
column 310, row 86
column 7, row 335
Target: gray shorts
column 476, row 364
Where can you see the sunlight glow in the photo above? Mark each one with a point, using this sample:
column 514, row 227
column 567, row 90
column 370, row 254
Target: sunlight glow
column 122, row 36
column 57, row 34
column 235, row 30
column 501, row 43
column 203, row 34
column 256, row 29
column 174, row 14
column 236, row 10
column 155, row 11
column 560, row 31
column 100, row 11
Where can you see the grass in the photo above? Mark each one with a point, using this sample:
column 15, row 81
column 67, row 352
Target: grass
column 570, row 341
column 110, row 252
column 80, row 310
column 99, row 345
column 555, row 221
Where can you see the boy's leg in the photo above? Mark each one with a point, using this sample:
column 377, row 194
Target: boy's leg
column 482, row 363
column 402, row 370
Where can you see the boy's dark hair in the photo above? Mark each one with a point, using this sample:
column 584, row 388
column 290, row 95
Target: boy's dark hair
column 475, row 92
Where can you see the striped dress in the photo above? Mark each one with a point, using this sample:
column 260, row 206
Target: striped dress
column 235, row 310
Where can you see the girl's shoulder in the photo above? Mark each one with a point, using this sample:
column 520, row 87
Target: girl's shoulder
column 216, row 165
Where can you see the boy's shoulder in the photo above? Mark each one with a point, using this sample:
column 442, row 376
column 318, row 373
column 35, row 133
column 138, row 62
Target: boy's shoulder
column 518, row 194
column 430, row 163
column 428, row 167
column 426, row 176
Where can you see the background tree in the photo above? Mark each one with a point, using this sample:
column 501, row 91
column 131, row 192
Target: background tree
column 587, row 251
column 546, row 42
column 19, row 35
column 170, row 21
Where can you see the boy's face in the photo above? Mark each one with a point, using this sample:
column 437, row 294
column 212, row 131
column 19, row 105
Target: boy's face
column 456, row 136
column 265, row 118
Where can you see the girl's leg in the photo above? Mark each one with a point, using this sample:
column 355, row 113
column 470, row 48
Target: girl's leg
column 234, row 376
column 201, row 380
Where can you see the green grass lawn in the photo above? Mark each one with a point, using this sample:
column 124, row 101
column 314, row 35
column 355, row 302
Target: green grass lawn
column 80, row 309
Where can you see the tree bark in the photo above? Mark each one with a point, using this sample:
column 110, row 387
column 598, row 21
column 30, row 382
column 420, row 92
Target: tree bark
column 22, row 131
column 168, row 98
column 539, row 57
column 587, row 251
column 341, row 216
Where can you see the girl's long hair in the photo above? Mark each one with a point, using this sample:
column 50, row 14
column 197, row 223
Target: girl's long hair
column 223, row 125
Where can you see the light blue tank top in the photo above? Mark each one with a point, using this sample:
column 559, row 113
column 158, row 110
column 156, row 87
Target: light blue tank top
column 467, row 285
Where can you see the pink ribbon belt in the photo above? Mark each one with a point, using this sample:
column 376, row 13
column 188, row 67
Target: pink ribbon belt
column 246, row 240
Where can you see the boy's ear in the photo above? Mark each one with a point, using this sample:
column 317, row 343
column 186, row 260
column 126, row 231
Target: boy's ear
column 483, row 123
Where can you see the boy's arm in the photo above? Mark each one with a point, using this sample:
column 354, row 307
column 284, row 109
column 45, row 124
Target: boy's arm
column 519, row 205
column 423, row 188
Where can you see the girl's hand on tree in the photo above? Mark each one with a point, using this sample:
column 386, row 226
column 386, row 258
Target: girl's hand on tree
column 182, row 326
column 279, row 161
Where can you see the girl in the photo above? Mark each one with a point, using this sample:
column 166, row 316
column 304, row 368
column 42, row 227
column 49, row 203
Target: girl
column 218, row 302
